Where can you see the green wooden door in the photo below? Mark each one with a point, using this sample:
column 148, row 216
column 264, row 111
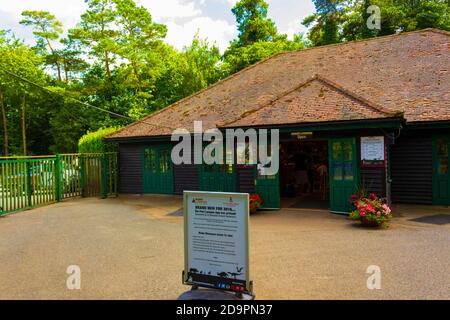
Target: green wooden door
column 441, row 176
column 157, row 169
column 268, row 187
column 218, row 177
column 343, row 173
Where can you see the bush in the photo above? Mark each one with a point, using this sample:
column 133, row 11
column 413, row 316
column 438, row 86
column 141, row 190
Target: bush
column 92, row 142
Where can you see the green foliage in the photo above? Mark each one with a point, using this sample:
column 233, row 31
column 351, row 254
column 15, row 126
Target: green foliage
column 237, row 58
column 258, row 37
column 343, row 20
column 253, row 24
column 92, row 142
column 116, row 58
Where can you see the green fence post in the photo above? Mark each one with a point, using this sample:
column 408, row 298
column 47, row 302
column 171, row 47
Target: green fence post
column 104, row 170
column 58, row 178
column 28, row 186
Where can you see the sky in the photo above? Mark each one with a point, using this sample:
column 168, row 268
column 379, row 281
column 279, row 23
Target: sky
column 211, row 18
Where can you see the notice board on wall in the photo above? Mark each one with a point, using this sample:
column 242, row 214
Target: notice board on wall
column 373, row 151
column 216, row 240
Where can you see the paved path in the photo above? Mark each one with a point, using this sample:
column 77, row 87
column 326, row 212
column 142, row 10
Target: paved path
column 131, row 248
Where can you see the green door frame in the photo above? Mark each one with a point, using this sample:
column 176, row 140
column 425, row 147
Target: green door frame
column 441, row 174
column 268, row 188
column 341, row 187
column 160, row 181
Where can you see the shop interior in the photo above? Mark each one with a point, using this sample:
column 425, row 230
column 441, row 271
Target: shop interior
column 304, row 181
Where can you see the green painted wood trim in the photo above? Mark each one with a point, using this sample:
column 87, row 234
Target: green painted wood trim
column 436, row 200
column 58, row 178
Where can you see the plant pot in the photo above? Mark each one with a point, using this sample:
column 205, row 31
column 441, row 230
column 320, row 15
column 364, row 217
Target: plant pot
column 370, row 223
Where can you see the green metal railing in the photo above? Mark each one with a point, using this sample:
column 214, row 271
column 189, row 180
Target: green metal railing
column 28, row 182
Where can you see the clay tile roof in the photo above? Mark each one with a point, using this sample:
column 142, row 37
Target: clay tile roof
column 382, row 77
column 316, row 100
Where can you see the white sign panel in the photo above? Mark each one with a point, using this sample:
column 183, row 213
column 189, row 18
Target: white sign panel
column 372, row 148
column 216, row 240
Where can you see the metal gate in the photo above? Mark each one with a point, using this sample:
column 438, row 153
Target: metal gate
column 28, row 182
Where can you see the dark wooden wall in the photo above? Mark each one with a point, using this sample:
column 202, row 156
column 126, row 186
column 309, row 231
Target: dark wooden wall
column 412, row 168
column 374, row 180
column 186, row 177
column 130, row 168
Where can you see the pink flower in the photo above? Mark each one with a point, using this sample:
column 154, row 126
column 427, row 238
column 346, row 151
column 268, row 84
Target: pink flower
column 362, row 213
column 386, row 208
column 370, row 208
column 379, row 213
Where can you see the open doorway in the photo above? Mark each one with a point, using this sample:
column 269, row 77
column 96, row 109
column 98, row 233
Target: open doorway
column 304, row 181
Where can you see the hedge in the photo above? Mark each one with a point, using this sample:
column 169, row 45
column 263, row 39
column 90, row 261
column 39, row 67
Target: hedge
column 92, row 142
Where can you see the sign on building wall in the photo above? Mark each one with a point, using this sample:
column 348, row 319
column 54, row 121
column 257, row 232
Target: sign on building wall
column 216, row 240
column 373, row 151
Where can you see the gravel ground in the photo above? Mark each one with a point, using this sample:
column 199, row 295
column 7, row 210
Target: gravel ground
column 132, row 248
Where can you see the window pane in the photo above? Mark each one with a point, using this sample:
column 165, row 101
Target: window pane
column 442, row 148
column 443, row 165
column 337, row 171
column 150, row 160
column 164, row 161
column 348, row 171
column 337, row 150
column 347, row 151
column 226, row 168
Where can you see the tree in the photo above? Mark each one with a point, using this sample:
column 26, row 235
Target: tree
column 325, row 22
column 46, row 29
column 97, row 32
column 344, row 20
column 72, row 58
column 258, row 37
column 253, row 23
column 140, row 39
column 201, row 65
column 22, row 61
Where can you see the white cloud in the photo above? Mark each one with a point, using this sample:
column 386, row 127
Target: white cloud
column 68, row 12
column 182, row 17
column 219, row 31
column 162, row 9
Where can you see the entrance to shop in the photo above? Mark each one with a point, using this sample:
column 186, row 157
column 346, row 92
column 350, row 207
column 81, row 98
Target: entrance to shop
column 304, row 178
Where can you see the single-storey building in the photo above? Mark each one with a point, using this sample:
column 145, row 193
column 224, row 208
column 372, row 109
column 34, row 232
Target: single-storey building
column 335, row 106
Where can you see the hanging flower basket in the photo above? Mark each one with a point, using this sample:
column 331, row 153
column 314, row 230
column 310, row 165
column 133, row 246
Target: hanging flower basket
column 255, row 202
column 371, row 210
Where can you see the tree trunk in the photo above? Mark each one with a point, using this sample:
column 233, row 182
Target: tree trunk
column 5, row 128
column 58, row 67
column 137, row 85
column 66, row 72
column 24, row 129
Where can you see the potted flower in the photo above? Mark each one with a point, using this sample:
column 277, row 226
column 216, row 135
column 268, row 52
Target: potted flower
column 370, row 210
column 255, row 202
